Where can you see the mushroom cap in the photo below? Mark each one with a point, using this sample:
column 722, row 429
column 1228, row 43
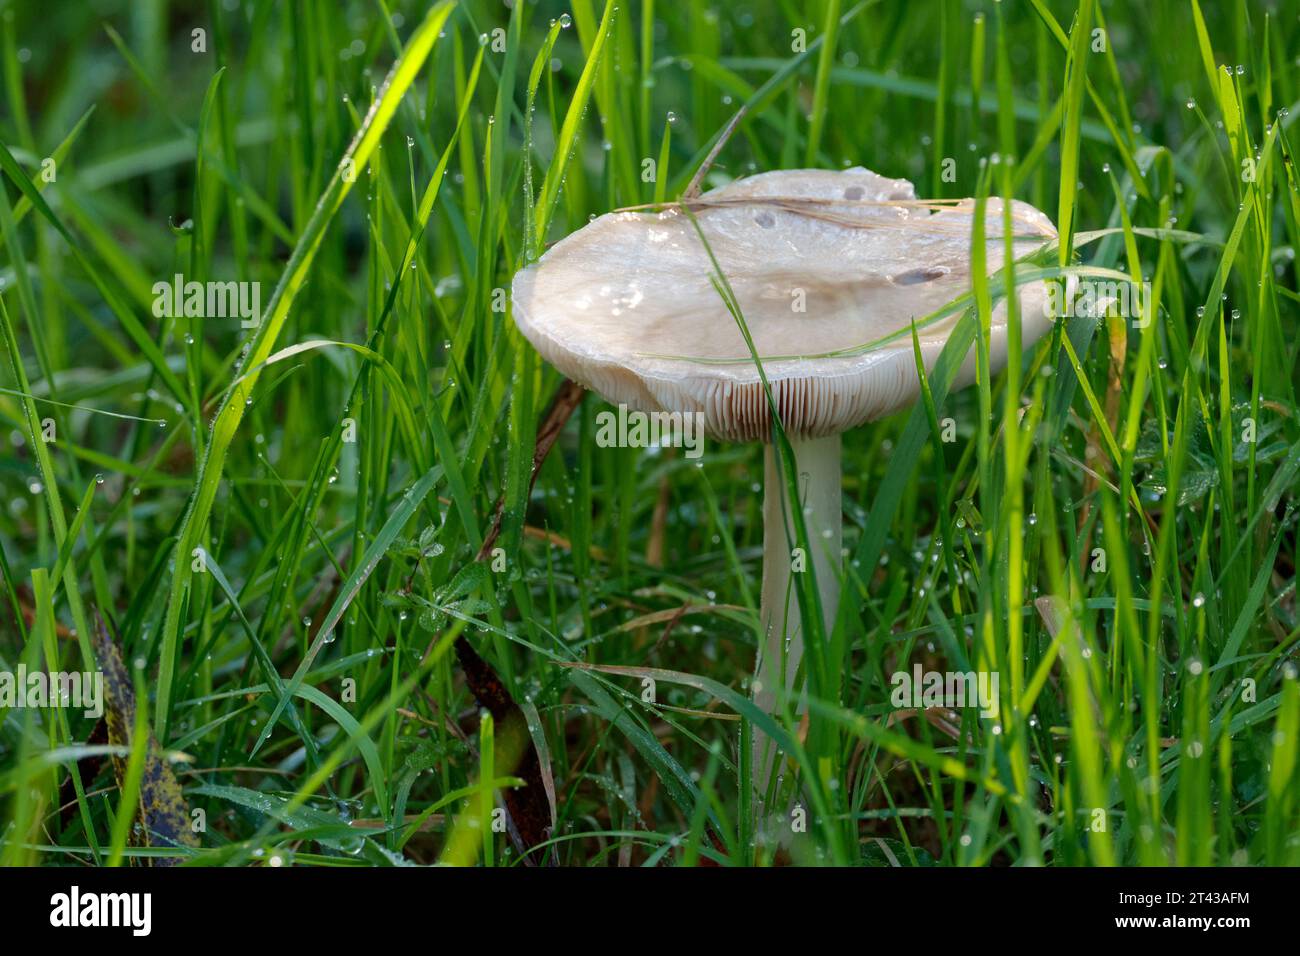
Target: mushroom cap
column 626, row 305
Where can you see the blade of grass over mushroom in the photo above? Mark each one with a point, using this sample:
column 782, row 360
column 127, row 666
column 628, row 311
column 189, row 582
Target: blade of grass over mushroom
column 997, row 290
column 811, row 612
column 810, row 595
column 232, row 406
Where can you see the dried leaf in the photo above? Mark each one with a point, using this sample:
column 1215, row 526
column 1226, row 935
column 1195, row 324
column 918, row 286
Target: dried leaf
column 529, row 807
column 164, row 816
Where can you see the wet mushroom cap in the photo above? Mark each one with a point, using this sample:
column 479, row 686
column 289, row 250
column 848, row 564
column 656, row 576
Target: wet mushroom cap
column 820, row 261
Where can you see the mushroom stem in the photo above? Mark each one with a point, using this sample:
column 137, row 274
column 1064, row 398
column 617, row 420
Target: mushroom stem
column 817, row 464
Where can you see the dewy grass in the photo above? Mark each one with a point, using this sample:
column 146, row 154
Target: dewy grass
column 283, row 524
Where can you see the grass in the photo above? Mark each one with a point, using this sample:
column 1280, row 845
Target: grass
column 291, row 528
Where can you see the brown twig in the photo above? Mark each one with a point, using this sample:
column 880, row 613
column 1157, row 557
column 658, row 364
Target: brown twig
column 528, row 807
column 562, row 407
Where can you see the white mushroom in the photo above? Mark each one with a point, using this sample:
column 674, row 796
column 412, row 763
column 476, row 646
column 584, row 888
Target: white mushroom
column 821, row 263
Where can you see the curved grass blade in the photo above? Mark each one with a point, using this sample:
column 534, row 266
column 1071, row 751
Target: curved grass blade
column 231, row 411
column 411, row 500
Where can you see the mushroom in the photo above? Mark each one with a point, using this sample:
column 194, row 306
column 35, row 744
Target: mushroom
column 820, row 263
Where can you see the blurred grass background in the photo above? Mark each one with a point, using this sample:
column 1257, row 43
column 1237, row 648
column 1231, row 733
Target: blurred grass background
column 286, row 542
